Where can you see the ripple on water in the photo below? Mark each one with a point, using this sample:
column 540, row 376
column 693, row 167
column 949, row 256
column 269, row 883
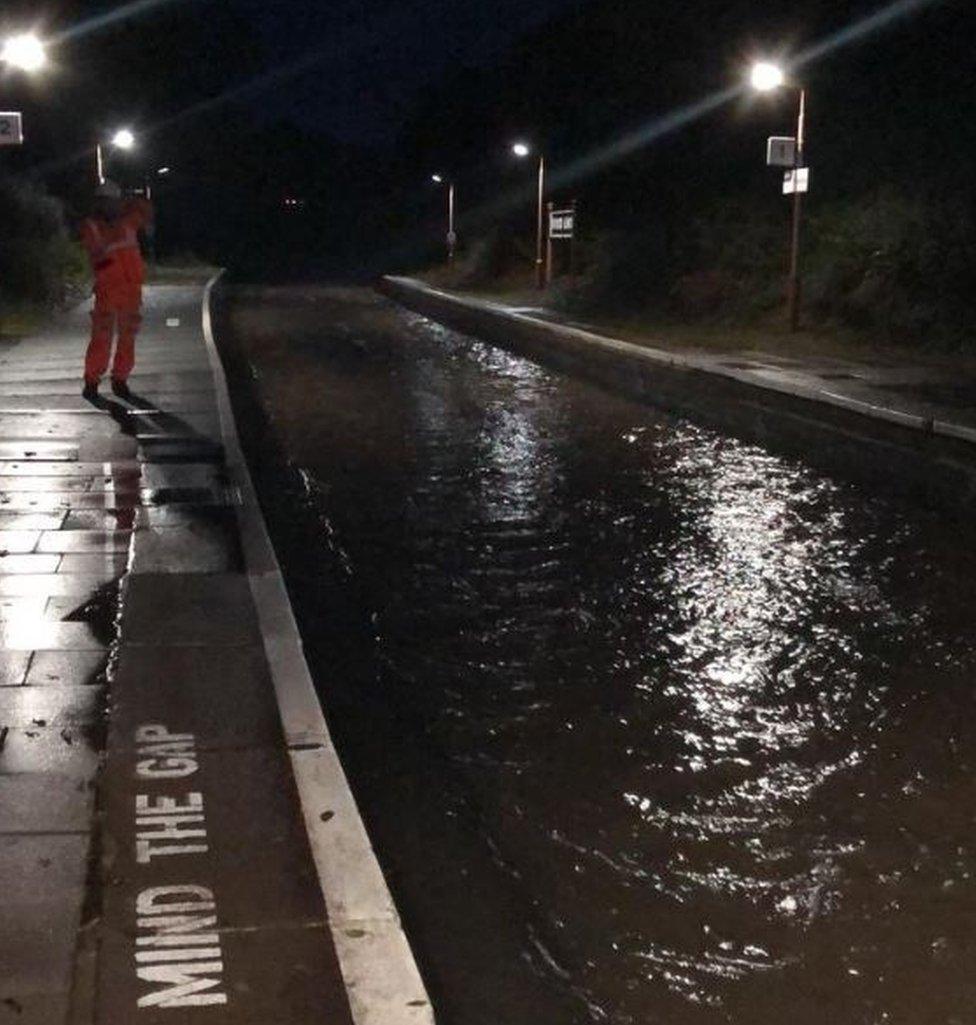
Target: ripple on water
column 716, row 709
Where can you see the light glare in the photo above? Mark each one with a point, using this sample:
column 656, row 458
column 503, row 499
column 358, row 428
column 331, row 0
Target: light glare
column 436, row 178
column 766, row 77
column 123, row 139
column 25, row 52
column 521, row 149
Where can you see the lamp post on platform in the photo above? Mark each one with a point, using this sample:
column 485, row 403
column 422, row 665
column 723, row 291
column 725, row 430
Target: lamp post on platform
column 26, row 53
column 523, row 150
column 767, row 77
column 438, row 179
column 123, row 139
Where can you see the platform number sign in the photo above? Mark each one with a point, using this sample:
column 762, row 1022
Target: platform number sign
column 11, row 129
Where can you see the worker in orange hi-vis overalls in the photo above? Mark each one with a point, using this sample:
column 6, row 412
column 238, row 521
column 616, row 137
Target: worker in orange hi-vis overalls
column 111, row 237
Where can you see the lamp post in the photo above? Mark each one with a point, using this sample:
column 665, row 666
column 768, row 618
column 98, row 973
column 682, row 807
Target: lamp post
column 451, row 233
column 123, row 139
column 767, row 77
column 523, row 150
column 25, row 53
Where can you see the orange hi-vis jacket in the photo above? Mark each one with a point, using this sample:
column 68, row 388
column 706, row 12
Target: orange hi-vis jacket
column 113, row 247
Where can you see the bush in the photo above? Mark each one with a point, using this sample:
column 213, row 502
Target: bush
column 489, row 259
column 622, row 270
column 901, row 265
column 38, row 260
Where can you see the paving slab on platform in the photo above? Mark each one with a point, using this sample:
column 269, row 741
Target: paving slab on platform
column 133, row 659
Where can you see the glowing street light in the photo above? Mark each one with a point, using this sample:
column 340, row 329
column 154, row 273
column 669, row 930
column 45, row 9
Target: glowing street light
column 767, row 77
column 25, row 52
column 123, row 139
column 438, row 179
column 523, row 150
column 163, row 171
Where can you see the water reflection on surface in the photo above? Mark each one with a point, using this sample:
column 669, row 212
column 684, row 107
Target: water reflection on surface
column 715, row 709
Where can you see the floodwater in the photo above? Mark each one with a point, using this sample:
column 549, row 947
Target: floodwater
column 673, row 729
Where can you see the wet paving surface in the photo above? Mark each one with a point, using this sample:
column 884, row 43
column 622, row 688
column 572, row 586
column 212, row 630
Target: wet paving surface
column 125, row 609
column 713, row 710
column 83, row 502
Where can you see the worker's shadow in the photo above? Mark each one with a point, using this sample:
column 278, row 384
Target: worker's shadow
column 150, row 426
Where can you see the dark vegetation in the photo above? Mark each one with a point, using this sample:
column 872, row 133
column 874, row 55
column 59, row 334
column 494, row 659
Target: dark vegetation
column 39, row 264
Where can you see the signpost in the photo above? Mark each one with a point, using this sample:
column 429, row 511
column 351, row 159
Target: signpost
column 562, row 225
column 797, row 180
column 561, row 222
column 788, row 152
column 11, row 128
column 781, row 151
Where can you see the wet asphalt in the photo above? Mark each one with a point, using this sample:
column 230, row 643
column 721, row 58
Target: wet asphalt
column 649, row 724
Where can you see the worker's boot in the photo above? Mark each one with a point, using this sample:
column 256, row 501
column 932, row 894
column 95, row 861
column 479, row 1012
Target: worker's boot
column 90, row 392
column 121, row 389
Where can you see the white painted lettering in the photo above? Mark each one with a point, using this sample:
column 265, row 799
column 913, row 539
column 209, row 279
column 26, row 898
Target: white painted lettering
column 179, row 948
column 154, row 734
column 165, row 755
column 146, row 850
column 167, row 805
column 183, row 954
column 174, row 900
column 176, row 925
column 184, row 987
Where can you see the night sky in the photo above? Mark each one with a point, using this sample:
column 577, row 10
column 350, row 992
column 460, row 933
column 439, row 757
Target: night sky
column 374, row 57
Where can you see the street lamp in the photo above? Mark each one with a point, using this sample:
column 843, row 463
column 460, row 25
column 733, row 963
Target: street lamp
column 523, row 150
column 25, row 52
column 767, row 77
column 438, row 179
column 123, row 139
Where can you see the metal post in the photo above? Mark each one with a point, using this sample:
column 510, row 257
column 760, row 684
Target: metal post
column 540, row 270
column 99, row 164
column 549, row 207
column 794, row 282
column 451, row 237
column 572, row 245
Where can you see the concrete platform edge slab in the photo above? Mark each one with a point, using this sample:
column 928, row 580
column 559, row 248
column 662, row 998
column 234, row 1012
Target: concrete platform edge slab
column 410, row 291
column 381, row 974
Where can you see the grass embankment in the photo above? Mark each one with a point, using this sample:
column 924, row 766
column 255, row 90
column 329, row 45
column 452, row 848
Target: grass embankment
column 769, row 335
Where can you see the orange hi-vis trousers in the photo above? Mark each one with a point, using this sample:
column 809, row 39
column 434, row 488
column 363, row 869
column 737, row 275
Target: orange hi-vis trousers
column 113, row 246
column 117, row 316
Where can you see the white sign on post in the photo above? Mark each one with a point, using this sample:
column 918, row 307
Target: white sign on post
column 11, row 128
column 562, row 223
column 781, row 151
column 796, row 181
